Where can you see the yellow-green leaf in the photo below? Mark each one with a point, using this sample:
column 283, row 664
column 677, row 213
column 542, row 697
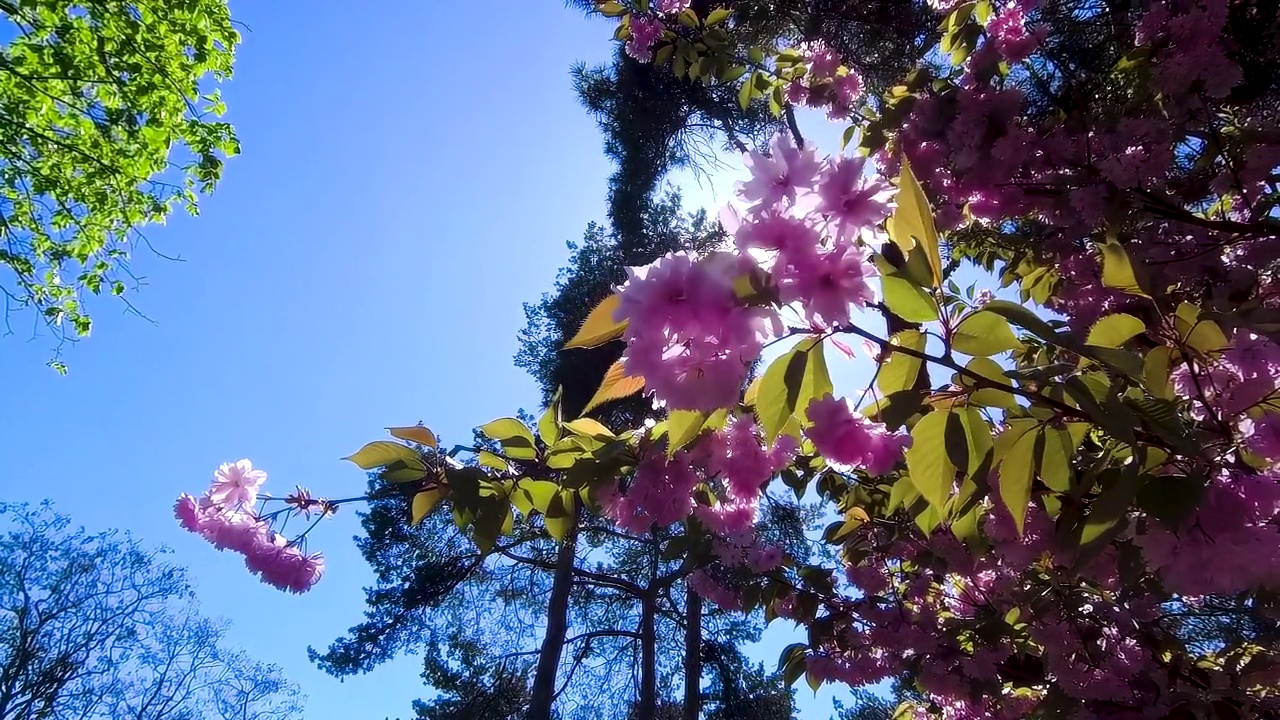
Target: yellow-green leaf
column 790, row 383
column 1115, row 330
column 1017, row 469
column 615, row 386
column 989, row 396
column 415, row 433
column 535, row 494
column 1118, row 271
column 610, row 8
column 931, row 471
column 908, row 301
column 549, row 423
column 561, row 513
column 380, row 453
column 682, row 427
column 1155, row 372
column 753, row 391
column 1198, row 333
column 718, row 16
column 516, row 439
column 912, row 221
column 982, row 334
column 899, row 371
column 588, row 426
column 423, row 503
column 600, row 326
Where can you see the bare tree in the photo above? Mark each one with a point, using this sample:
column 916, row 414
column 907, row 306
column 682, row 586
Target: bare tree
column 96, row 626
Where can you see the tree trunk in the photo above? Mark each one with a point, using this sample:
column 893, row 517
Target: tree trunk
column 544, row 682
column 648, row 707
column 692, row 654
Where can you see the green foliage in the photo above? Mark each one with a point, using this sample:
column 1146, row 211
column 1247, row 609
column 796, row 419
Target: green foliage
column 106, row 123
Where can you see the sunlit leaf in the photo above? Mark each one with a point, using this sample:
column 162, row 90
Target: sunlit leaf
column 907, row 300
column 549, row 423
column 423, row 503
column 912, row 222
column 789, row 384
column 561, row 514
column 983, row 333
column 588, row 426
column 682, row 427
column 931, row 471
column 1115, row 330
column 536, row 494
column 1198, row 333
column 615, row 386
column 516, row 439
column 1155, row 372
column 900, row 370
column 994, row 374
column 380, row 453
column 416, row 434
column 1017, row 469
column 600, row 326
column 717, row 16
column 1118, row 271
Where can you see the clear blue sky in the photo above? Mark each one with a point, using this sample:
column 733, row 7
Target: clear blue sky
column 410, row 176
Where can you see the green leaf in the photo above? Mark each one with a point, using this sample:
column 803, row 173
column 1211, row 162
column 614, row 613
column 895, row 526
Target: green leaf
column 610, row 9
column 789, row 384
column 1119, row 489
column 912, row 221
column 747, row 92
column 1155, row 372
column 588, row 427
column 907, row 300
column 404, row 470
column 931, row 471
column 983, row 333
column 549, row 423
column 535, row 494
column 381, row 453
column 1115, row 330
column 423, row 503
column 561, row 514
column 415, row 434
column 1118, row 271
column 1196, row 332
column 994, row 374
column 732, row 75
column 1057, row 449
column 516, row 439
column 600, row 326
column 1030, row 322
column 755, row 54
column 900, row 370
column 682, row 427
column 1017, row 469
column 717, row 16
column 895, row 409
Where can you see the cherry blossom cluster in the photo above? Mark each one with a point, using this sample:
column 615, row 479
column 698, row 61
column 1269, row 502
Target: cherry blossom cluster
column 647, row 28
column 824, row 83
column 225, row 516
column 990, row 158
column 806, row 225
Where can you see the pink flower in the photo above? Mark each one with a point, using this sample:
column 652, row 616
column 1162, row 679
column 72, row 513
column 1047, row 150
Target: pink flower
column 188, row 513
column 670, row 7
column 236, row 484
column 1264, row 441
column 645, row 31
column 764, row 559
column 844, row 437
column 829, row 285
column 780, row 175
column 282, row 565
column 852, row 201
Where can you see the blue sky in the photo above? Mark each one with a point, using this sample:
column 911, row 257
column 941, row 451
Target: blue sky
column 410, row 176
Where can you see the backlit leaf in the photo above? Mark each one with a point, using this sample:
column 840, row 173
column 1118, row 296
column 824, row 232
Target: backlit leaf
column 615, row 386
column 1017, row 469
column 912, row 222
column 1198, row 333
column 600, row 326
column 1118, row 271
column 536, row 494
column 587, row 426
column 682, row 427
column 931, row 471
column 1155, row 372
column 789, row 384
column 561, row 514
column 423, row 503
column 717, row 16
column 1115, row 330
column 549, row 423
column 416, row 434
column 983, row 333
column 908, row 301
column 516, row 439
column 900, row 370
column 380, row 453
column 994, row 374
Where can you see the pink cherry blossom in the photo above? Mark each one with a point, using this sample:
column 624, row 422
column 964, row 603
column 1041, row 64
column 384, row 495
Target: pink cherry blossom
column 829, row 285
column 781, row 175
column 850, row 200
column 236, row 484
column 645, row 31
column 845, row 437
column 671, row 7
